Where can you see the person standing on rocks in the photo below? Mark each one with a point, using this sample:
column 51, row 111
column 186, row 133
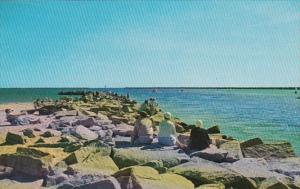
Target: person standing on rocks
column 143, row 130
column 199, row 138
column 167, row 133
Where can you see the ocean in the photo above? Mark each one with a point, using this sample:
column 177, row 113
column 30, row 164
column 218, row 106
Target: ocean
column 271, row 114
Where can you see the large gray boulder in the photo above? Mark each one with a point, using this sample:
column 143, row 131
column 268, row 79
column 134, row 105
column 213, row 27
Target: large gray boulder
column 288, row 166
column 233, row 148
column 87, row 122
column 270, row 151
column 80, row 181
column 84, row 133
column 256, row 169
column 202, row 171
column 125, row 157
column 123, row 129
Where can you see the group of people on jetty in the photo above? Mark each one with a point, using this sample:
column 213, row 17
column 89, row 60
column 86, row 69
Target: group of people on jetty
column 167, row 136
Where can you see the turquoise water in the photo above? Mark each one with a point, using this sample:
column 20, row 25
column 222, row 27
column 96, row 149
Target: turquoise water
column 242, row 113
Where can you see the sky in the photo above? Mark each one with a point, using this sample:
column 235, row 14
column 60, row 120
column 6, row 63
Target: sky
column 150, row 43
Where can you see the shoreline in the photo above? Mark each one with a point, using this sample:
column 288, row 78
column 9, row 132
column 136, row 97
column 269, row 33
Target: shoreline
column 17, row 106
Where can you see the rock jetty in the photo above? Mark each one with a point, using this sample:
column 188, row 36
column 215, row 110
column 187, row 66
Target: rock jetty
column 84, row 143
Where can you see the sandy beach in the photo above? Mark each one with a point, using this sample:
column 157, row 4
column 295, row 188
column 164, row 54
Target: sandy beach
column 17, row 106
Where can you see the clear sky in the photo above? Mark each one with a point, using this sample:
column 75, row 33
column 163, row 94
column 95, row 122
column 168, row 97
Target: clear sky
column 153, row 43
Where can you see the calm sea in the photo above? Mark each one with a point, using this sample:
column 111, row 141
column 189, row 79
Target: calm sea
column 242, row 113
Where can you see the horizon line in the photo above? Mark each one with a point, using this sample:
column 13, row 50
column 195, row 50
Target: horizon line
column 296, row 87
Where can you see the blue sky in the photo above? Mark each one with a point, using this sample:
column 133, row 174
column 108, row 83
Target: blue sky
column 149, row 43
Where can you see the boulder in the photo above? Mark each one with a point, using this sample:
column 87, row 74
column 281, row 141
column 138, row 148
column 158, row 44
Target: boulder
column 256, row 169
column 123, row 129
column 84, row 133
column 270, row 151
column 251, row 142
column 29, row 133
column 142, row 177
column 60, row 114
column 89, row 160
column 81, row 181
column 288, row 166
column 125, row 157
column 212, row 186
column 87, row 122
column 211, row 154
column 95, row 128
column 214, row 130
column 28, row 165
column 14, row 138
column 233, row 148
column 118, row 119
column 273, row 183
column 201, row 171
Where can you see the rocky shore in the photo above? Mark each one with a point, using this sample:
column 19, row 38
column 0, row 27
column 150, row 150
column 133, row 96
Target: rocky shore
column 84, row 143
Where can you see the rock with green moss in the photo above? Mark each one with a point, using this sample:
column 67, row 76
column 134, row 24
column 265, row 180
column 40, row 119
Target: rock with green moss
column 89, row 160
column 201, row 171
column 212, row 186
column 251, row 142
column 142, row 177
column 157, row 165
column 125, row 157
column 27, row 164
column 14, row 138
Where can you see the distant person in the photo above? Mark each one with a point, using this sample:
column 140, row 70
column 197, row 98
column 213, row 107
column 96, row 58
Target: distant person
column 167, row 133
column 199, row 138
column 143, row 130
column 16, row 119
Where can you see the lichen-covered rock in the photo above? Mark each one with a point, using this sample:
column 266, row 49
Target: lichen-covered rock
column 251, row 142
column 201, row 171
column 28, row 165
column 14, row 138
column 211, row 186
column 84, row 133
column 125, row 157
column 157, row 165
column 273, row 183
column 142, row 177
column 90, row 160
column 270, row 151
